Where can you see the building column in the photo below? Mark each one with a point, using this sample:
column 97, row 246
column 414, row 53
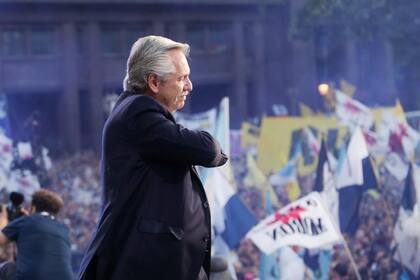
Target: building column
column 239, row 106
column 351, row 60
column 1, row 74
column 69, row 107
column 303, row 66
column 389, row 80
column 260, row 74
column 95, row 86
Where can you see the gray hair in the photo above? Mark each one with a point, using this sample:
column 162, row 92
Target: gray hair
column 149, row 55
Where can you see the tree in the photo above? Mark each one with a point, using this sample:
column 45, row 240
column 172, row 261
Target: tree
column 395, row 21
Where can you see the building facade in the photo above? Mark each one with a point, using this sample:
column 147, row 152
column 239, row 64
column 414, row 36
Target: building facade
column 61, row 57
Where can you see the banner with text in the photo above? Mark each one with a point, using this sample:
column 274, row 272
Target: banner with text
column 304, row 223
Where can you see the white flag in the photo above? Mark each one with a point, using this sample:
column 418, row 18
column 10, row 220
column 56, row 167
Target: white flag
column 304, row 222
column 407, row 230
column 202, row 121
column 25, row 150
column 6, row 152
column 406, row 235
column 351, row 166
column 411, row 139
column 351, row 112
column 396, row 166
column 329, row 194
column 24, row 182
column 398, row 134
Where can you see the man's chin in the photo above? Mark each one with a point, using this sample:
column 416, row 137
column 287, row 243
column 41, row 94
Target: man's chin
column 180, row 105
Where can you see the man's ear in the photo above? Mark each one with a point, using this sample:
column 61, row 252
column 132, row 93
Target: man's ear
column 153, row 83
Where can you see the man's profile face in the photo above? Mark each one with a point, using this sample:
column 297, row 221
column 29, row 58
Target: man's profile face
column 172, row 92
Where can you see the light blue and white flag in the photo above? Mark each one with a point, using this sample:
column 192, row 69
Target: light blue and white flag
column 355, row 175
column 288, row 173
column 231, row 218
column 201, row 121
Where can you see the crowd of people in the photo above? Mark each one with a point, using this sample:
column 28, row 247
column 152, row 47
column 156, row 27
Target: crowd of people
column 372, row 247
column 77, row 179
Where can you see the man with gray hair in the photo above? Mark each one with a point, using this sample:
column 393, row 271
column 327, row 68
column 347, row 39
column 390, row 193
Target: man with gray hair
column 155, row 221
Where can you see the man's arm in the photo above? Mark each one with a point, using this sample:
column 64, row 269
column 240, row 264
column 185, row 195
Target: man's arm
column 3, row 223
column 159, row 138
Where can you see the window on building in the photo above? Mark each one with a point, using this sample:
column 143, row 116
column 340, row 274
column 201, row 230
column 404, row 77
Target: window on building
column 41, row 41
column 175, row 30
column 112, row 41
column 13, row 42
column 217, row 39
column 118, row 40
column 131, row 35
column 196, row 38
column 22, row 41
column 209, row 38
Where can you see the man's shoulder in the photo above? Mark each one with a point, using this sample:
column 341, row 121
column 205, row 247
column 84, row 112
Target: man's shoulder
column 35, row 218
column 134, row 106
column 134, row 103
column 139, row 104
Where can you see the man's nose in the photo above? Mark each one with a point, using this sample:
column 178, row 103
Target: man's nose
column 189, row 85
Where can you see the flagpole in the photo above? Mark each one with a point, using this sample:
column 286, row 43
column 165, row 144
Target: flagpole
column 351, row 258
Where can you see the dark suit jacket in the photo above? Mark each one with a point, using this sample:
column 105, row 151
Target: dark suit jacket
column 155, row 222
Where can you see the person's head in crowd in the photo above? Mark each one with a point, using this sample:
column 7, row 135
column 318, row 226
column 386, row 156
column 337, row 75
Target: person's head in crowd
column 46, row 201
column 249, row 276
column 340, row 269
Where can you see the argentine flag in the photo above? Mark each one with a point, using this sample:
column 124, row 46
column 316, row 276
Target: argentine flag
column 354, row 175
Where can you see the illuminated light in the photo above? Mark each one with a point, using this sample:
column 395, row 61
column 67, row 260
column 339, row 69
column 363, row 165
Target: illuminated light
column 323, row 89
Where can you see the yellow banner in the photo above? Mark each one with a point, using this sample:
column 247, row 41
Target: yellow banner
column 256, row 178
column 305, row 111
column 278, row 137
column 250, row 135
column 397, row 110
column 276, row 140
